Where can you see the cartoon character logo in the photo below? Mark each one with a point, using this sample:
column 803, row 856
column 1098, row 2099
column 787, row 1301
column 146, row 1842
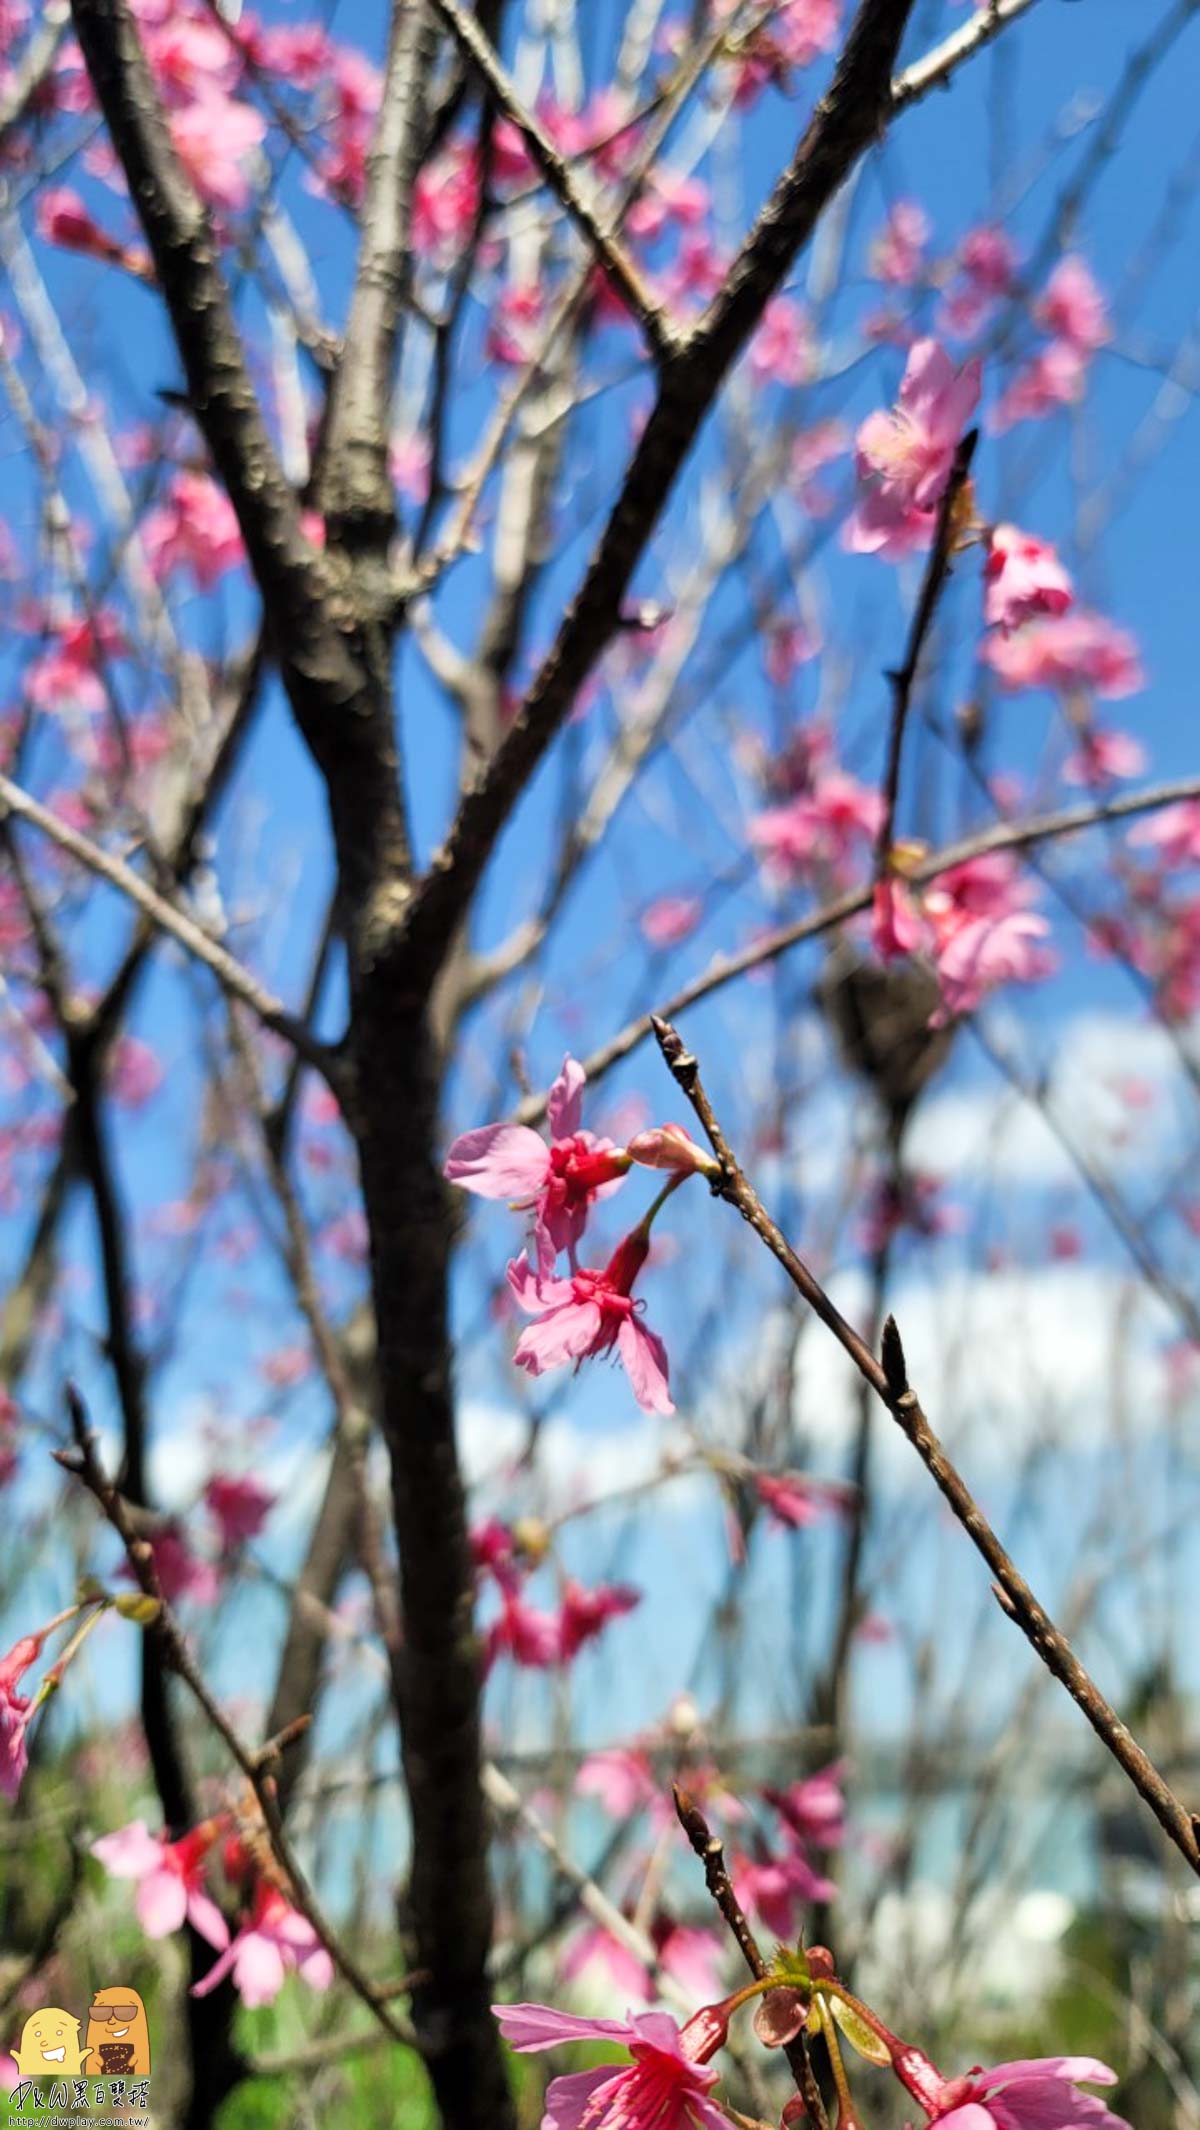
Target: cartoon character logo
column 118, row 2035
column 50, row 2045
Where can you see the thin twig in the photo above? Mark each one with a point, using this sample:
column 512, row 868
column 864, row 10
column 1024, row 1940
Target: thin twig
column 935, row 69
column 1001, row 836
column 187, row 933
column 83, row 1462
column 622, row 270
column 937, row 570
column 889, row 1380
column 711, row 1851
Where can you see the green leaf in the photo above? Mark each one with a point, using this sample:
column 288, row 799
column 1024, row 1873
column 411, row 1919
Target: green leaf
column 136, row 1606
column 860, row 2036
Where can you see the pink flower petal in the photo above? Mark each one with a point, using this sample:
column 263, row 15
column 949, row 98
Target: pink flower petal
column 498, row 1161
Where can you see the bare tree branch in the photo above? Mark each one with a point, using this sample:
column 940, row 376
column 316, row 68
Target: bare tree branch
column 889, row 1380
column 622, row 270
column 187, row 933
column 1002, row 836
column 845, row 122
column 935, row 69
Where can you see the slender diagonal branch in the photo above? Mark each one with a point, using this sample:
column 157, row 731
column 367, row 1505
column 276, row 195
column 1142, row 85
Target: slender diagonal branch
column 83, row 1462
column 621, row 268
column 311, row 601
column 168, row 918
column 1002, row 836
column 847, row 119
column 933, row 583
column 937, row 66
column 354, row 481
column 888, row 1378
column 711, row 1851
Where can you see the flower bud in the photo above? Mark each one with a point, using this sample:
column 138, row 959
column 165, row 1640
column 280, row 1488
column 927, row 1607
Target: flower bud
column 668, row 1146
column 705, row 2032
column 531, row 1538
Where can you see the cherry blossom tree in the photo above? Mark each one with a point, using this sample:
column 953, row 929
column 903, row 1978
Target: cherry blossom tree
column 578, row 740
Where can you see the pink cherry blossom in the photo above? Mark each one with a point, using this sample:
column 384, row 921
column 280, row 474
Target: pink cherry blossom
column 795, row 1503
column 512, row 330
column 61, row 218
column 1036, row 2093
column 191, row 57
column 1103, row 756
column 620, row 1779
column 195, row 529
column 912, row 1200
column 531, row 1638
column 589, row 1314
column 1071, row 307
column 987, row 267
column 445, row 202
column 354, row 86
column 1023, row 577
column 275, row 1938
column 671, row 198
column 1173, row 834
column 214, row 137
column 170, row 1878
column 135, row 1073
column 897, row 254
column 494, row 1552
column 408, row 463
column 1175, row 962
column 180, row 1572
column 986, row 952
column 239, row 1506
column 69, row 669
column 898, row 926
column 691, row 1957
column 988, row 886
column 697, row 273
column 286, row 1366
column 787, row 645
column 815, row 1808
column 824, row 826
column 1054, row 377
column 671, row 919
column 904, row 456
column 559, row 1183
column 1067, row 651
column 781, row 349
column 15, row 1711
column 300, row 53
column 666, row 2087
column 813, row 450
column 586, row 1613
column 777, row 1888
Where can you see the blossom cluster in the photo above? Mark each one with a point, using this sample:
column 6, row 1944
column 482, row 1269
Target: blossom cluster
column 670, row 2081
column 776, row 1844
column 505, row 1556
column 591, row 1310
column 272, row 1938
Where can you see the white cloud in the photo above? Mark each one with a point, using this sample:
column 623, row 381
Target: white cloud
column 1005, row 1359
column 574, row 1464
